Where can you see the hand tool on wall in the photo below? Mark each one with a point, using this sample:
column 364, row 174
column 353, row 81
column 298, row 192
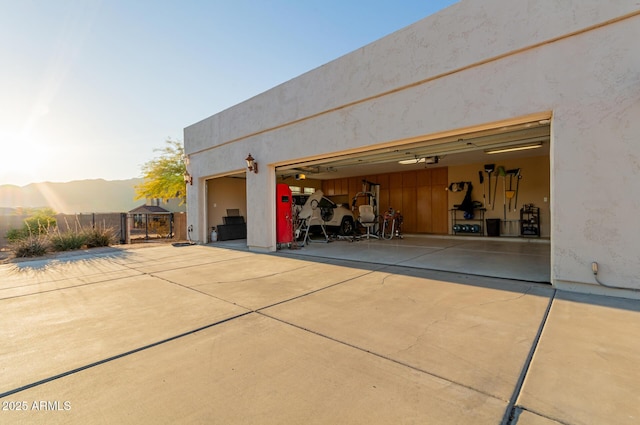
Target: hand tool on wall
column 515, row 205
column 484, row 190
column 511, row 193
column 489, row 168
column 501, row 173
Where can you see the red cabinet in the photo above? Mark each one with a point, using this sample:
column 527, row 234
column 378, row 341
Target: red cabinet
column 284, row 220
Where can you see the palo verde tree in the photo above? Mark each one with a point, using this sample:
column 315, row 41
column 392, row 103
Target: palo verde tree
column 164, row 175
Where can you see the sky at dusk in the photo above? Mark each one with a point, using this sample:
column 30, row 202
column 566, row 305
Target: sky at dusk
column 89, row 88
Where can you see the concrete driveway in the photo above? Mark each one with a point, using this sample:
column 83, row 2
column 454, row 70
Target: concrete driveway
column 212, row 334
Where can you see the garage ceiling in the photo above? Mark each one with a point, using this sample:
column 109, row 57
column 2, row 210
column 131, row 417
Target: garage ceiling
column 459, row 149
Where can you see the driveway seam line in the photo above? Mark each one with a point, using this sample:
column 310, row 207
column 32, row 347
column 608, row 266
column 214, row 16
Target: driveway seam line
column 524, row 409
column 382, row 356
column 511, row 406
column 152, row 263
column 189, row 288
column 80, row 285
column 119, row 356
column 258, row 310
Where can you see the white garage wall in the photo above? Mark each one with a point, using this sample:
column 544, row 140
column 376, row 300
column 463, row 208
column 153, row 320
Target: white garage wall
column 485, row 73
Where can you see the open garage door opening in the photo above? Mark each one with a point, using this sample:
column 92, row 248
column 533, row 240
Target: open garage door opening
column 501, row 170
column 487, row 185
column 226, row 208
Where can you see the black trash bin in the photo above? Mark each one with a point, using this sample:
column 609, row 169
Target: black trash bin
column 493, row 227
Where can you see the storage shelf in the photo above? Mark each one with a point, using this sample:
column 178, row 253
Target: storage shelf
column 468, row 226
column 530, row 221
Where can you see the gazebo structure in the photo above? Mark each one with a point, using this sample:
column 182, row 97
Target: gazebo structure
column 150, row 222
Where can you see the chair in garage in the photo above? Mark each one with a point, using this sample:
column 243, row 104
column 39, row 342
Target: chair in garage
column 368, row 219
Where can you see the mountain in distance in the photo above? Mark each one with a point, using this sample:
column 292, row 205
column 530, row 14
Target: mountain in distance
column 80, row 196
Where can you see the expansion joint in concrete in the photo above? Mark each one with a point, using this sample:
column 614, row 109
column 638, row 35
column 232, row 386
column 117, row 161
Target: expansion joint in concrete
column 379, row 355
column 511, row 411
column 118, row 356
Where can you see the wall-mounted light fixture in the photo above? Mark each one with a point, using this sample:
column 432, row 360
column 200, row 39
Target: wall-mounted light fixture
column 513, row 148
column 187, row 178
column 252, row 164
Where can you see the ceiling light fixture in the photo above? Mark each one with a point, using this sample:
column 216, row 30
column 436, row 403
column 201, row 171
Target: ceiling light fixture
column 427, row 160
column 411, row 161
column 512, row 149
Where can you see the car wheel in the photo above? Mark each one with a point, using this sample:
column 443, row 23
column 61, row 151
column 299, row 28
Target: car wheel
column 346, row 227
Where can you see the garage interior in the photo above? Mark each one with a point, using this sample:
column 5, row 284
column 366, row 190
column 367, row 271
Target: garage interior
column 427, row 181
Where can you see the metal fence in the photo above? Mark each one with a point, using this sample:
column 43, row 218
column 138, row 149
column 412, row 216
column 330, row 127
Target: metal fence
column 128, row 227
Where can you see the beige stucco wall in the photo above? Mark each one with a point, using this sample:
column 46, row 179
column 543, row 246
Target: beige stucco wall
column 477, row 62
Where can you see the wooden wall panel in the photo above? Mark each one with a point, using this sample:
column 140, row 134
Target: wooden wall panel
column 423, row 209
column 423, row 177
column 328, row 187
column 339, row 189
column 383, row 181
column 408, row 210
column 395, row 199
column 395, row 181
column 409, row 179
column 420, row 195
column 384, row 201
column 440, row 176
column 439, row 212
column 354, row 187
column 372, row 179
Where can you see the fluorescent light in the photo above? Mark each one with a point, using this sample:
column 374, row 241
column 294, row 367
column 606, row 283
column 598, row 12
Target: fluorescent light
column 411, row 161
column 428, row 160
column 512, row 149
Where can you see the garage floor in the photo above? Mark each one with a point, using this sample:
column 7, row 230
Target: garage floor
column 510, row 258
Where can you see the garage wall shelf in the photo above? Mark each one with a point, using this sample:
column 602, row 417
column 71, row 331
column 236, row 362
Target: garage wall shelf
column 467, row 226
column 530, row 221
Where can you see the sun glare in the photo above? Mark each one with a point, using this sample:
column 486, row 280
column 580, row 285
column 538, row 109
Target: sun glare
column 24, row 161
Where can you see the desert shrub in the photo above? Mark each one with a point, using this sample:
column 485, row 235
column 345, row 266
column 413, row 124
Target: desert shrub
column 40, row 222
column 67, row 241
column 99, row 237
column 40, row 235
column 31, row 246
column 14, row 235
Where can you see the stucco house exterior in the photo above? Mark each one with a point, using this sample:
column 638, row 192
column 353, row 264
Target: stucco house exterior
column 562, row 77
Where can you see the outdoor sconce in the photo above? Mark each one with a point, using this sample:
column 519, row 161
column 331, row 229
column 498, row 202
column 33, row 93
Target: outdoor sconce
column 252, row 164
column 188, row 178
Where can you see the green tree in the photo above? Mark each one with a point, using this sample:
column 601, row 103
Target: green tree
column 164, row 175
